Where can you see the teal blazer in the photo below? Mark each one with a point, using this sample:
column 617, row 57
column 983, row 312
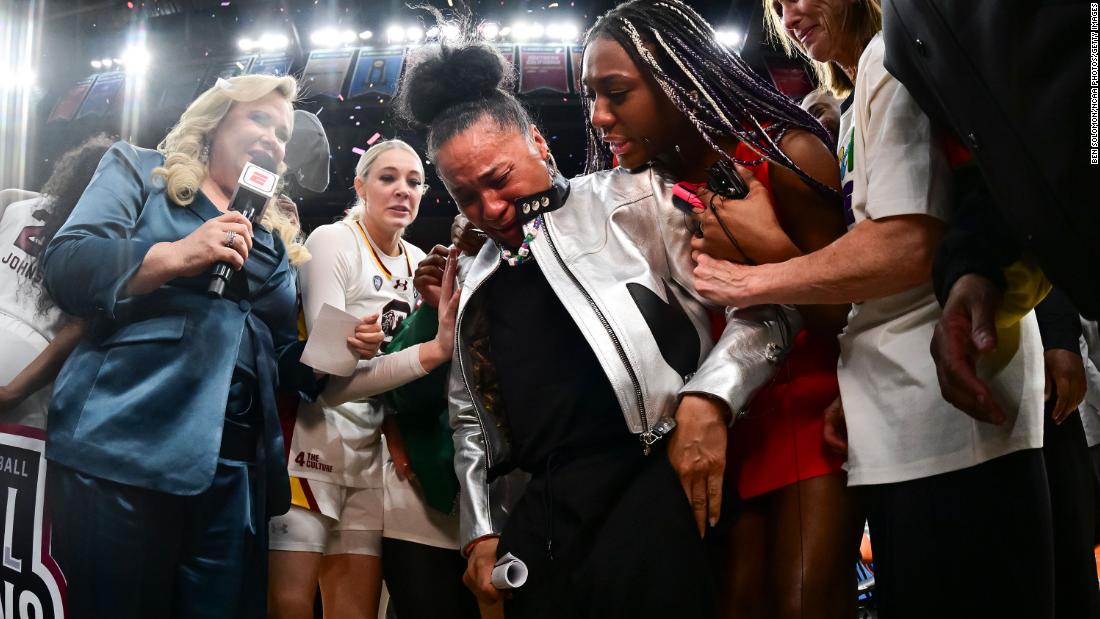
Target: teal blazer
column 142, row 399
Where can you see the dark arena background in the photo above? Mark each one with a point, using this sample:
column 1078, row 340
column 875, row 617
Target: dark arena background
column 76, row 68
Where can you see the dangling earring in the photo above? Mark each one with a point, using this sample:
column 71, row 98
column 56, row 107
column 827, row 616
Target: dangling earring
column 694, row 96
column 204, row 154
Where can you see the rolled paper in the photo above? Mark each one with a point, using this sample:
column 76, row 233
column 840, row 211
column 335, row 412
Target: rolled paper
column 509, row 572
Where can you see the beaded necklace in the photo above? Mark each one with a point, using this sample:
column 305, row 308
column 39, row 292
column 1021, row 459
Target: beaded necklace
column 523, row 254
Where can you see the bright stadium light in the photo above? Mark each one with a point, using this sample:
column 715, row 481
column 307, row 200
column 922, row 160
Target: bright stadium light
column 348, row 36
column 562, row 32
column 107, row 63
column 730, row 37
column 414, row 34
column 522, row 32
column 395, row 34
column 450, row 32
column 324, row 36
column 246, row 44
column 136, row 58
column 366, row 35
column 97, row 64
column 432, row 33
column 490, row 30
column 16, row 79
column 272, row 42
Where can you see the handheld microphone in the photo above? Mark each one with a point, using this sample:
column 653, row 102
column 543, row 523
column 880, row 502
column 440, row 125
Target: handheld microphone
column 255, row 188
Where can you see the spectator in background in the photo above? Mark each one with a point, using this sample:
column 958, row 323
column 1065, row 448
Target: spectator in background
column 35, row 335
column 822, row 105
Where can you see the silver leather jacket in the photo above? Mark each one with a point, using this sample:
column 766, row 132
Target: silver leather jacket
column 617, row 254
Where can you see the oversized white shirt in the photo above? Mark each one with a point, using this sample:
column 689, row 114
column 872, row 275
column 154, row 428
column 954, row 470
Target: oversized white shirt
column 899, row 426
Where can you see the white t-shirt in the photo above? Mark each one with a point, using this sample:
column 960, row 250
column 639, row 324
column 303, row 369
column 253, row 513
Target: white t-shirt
column 340, row 444
column 24, row 333
column 899, row 426
column 1090, row 408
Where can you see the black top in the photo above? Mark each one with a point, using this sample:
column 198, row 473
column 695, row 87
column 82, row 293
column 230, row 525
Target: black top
column 557, row 399
column 1033, row 150
column 1059, row 322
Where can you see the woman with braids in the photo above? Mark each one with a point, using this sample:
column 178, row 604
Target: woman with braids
column 584, row 360
column 794, row 535
column 36, row 336
column 163, row 440
column 934, row 482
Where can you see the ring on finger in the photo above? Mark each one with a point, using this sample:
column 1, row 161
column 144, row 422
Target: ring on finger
column 230, row 236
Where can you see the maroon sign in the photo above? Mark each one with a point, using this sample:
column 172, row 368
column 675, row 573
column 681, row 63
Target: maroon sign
column 542, row 67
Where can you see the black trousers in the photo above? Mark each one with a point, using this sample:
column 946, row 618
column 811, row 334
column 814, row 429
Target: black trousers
column 608, row 535
column 1073, row 507
column 425, row 582
column 972, row 543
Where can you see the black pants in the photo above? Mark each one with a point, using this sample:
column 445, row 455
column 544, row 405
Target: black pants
column 128, row 552
column 973, row 543
column 608, row 535
column 1073, row 507
column 425, row 582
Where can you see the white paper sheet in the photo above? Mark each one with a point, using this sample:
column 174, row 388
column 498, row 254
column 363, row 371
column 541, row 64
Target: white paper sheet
column 327, row 347
column 509, row 572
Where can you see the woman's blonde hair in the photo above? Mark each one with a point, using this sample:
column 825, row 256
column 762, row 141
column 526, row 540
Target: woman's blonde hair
column 184, row 170
column 366, row 160
column 862, row 21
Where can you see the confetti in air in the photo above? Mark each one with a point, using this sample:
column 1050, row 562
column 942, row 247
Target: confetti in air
column 374, row 138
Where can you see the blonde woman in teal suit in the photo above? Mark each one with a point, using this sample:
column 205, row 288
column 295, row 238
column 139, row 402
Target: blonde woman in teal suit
column 165, row 455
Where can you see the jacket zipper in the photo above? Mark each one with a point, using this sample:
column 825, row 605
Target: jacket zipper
column 478, row 412
column 647, row 437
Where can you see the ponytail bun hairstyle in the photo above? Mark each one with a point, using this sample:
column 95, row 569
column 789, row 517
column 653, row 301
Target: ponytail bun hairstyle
column 449, row 87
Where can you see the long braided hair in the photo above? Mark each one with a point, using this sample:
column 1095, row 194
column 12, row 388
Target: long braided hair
column 713, row 87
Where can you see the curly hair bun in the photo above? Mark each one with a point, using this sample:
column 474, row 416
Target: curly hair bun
column 444, row 76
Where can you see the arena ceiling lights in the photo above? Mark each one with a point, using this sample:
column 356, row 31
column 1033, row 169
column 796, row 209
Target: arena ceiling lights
column 406, row 34
column 266, row 42
column 134, row 59
column 730, row 37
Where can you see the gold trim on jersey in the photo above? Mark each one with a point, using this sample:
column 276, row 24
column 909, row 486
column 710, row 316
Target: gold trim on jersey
column 374, row 254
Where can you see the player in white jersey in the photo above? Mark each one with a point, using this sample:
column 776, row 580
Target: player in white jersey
column 361, row 265
column 35, row 336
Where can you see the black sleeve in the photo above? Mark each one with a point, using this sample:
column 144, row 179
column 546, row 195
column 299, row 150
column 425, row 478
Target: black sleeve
column 978, row 239
column 1059, row 322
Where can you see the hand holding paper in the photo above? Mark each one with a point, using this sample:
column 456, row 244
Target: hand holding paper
column 509, row 572
column 327, row 348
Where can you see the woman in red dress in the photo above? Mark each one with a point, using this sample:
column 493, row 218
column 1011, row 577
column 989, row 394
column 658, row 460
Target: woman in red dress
column 661, row 90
